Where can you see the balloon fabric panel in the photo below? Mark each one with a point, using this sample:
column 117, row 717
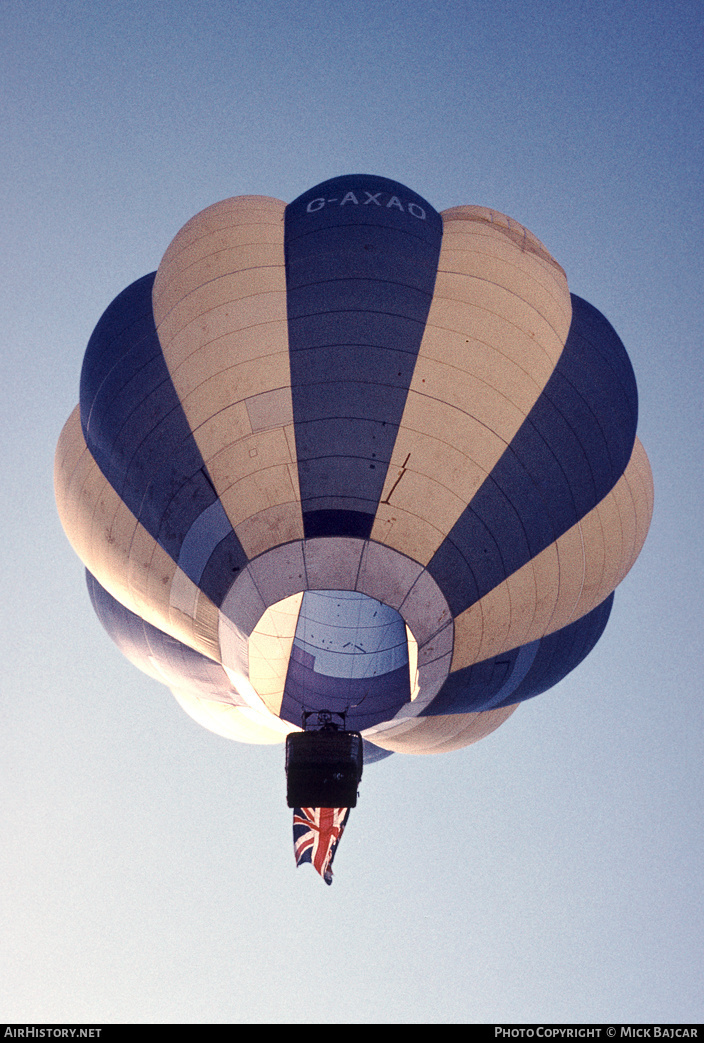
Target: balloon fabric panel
column 220, row 308
column 359, row 278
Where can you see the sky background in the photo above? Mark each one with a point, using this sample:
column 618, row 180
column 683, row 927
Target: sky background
column 550, row 873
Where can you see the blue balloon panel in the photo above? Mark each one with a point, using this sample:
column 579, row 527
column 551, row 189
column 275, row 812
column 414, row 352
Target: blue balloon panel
column 361, row 259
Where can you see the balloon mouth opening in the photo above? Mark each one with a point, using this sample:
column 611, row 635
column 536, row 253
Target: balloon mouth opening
column 340, row 652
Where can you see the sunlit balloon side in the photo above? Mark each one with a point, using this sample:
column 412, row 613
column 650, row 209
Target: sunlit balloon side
column 354, row 455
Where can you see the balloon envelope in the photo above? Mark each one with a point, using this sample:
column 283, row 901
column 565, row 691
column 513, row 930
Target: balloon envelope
column 354, row 455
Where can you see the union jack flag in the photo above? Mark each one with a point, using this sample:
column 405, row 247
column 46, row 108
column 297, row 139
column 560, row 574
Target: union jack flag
column 316, row 834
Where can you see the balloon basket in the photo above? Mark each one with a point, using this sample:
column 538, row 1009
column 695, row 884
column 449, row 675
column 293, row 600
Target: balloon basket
column 323, row 768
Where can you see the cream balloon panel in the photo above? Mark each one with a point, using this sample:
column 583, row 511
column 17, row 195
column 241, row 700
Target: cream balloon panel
column 233, row 264
column 229, row 219
column 270, row 650
column 220, row 308
column 230, row 276
column 241, row 724
column 441, row 734
column 490, row 246
column 123, row 557
column 497, row 325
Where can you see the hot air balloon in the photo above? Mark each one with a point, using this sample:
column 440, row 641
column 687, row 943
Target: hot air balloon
column 352, row 460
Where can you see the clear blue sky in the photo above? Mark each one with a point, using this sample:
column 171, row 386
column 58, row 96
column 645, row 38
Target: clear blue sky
column 553, row 872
